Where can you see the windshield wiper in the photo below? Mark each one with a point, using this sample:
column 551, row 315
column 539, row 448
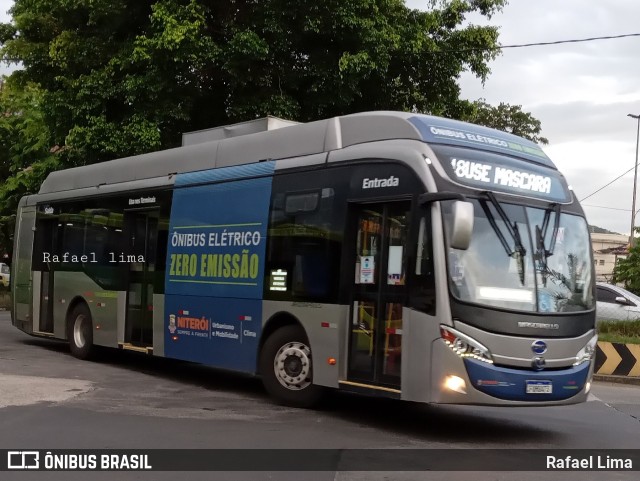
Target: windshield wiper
column 518, row 252
column 541, row 234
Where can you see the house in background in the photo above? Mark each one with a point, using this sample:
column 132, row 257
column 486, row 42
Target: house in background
column 607, row 247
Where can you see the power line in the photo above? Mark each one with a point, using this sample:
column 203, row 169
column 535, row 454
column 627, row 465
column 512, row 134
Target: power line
column 573, row 40
column 545, row 44
column 607, row 185
column 604, row 207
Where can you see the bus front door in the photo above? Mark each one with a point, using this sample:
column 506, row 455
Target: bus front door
column 379, row 233
column 141, row 233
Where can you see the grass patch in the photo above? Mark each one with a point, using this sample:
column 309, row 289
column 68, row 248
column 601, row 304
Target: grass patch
column 625, row 332
column 619, row 339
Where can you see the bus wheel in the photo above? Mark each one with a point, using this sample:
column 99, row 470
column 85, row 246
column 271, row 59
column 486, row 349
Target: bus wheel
column 286, row 368
column 80, row 332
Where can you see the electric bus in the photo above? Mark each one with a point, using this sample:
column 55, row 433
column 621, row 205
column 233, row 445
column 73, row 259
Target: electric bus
column 383, row 253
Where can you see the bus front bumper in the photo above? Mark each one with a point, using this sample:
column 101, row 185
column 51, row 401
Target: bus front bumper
column 477, row 382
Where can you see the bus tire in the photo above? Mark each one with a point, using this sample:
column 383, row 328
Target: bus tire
column 287, row 370
column 80, row 332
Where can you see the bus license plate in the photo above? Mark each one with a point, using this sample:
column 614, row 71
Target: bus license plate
column 539, row 387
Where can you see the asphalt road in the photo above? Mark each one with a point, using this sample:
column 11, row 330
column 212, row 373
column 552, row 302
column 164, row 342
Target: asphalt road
column 50, row 400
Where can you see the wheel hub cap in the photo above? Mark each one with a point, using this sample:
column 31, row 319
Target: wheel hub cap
column 292, row 366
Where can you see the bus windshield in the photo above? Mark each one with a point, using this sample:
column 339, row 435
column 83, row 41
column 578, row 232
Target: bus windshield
column 531, row 277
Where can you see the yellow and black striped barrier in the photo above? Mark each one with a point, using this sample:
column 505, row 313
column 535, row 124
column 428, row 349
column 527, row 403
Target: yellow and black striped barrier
column 617, row 359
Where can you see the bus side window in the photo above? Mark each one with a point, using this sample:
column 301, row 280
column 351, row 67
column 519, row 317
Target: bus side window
column 420, row 259
column 423, row 293
column 424, row 260
column 303, row 256
column 71, row 238
column 103, row 241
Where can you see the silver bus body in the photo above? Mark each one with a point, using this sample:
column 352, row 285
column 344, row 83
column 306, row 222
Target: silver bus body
column 317, row 226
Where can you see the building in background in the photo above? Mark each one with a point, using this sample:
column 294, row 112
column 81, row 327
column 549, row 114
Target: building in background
column 607, row 249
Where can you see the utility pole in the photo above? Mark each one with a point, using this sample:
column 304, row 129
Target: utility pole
column 635, row 182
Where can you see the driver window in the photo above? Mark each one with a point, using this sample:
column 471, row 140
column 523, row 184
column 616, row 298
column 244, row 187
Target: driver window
column 423, row 292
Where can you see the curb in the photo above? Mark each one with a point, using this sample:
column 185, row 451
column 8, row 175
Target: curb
column 617, row 379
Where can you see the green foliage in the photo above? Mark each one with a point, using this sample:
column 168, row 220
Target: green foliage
column 25, row 153
column 120, row 78
column 509, row 118
column 625, row 332
column 117, row 78
column 627, row 271
column 102, row 79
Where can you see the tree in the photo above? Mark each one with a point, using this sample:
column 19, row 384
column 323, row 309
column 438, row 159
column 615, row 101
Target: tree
column 114, row 78
column 25, row 153
column 627, row 271
column 509, row 118
column 120, row 78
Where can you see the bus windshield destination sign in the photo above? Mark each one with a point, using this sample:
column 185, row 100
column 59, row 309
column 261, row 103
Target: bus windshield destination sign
column 492, row 171
column 500, row 176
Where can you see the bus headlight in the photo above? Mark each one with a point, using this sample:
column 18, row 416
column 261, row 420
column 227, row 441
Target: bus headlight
column 588, row 352
column 465, row 346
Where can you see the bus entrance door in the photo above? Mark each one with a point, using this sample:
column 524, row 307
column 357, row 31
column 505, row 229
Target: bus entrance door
column 141, row 234
column 379, row 243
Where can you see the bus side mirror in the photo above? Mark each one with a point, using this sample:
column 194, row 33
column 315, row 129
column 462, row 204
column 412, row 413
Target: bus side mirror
column 462, row 224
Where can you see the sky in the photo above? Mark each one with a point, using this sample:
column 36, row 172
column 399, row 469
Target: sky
column 581, row 92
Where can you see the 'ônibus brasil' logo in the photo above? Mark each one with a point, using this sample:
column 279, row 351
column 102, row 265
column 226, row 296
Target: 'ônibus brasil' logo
column 377, row 183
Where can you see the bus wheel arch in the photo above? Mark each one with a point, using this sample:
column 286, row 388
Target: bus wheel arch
column 285, row 362
column 80, row 329
column 275, row 322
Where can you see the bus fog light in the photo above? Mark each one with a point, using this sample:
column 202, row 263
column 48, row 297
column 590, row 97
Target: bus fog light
column 455, row 383
column 587, row 387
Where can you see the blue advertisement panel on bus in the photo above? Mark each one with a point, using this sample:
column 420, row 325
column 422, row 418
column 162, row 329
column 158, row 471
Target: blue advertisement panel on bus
column 215, row 266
